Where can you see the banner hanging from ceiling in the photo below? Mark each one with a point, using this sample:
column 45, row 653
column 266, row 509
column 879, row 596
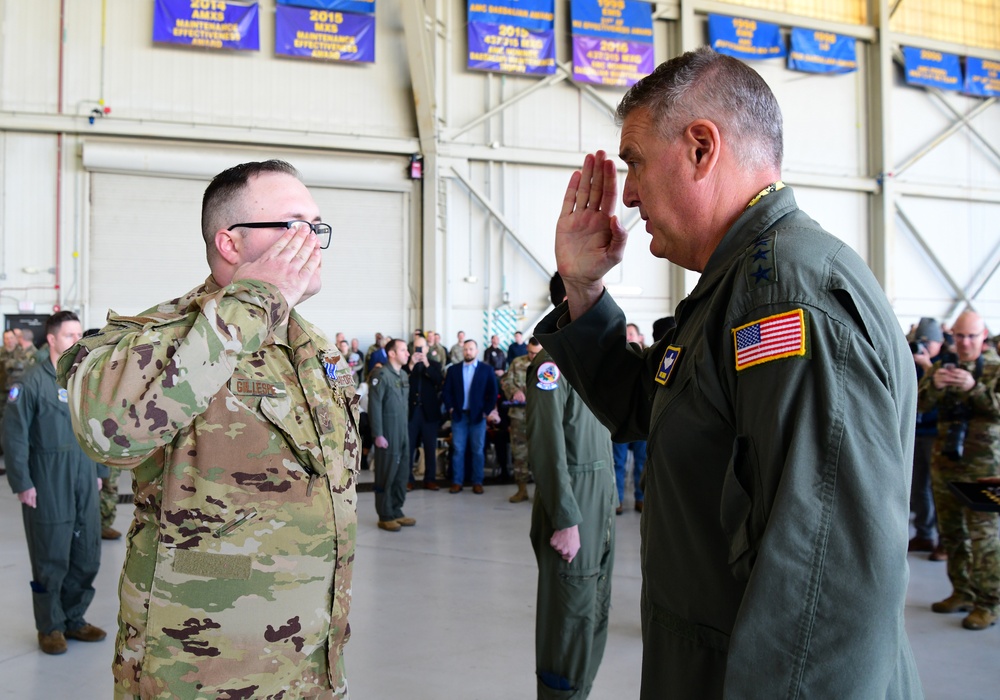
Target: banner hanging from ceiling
column 210, row 24
column 512, row 36
column 612, row 41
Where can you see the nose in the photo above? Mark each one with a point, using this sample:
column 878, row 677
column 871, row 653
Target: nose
column 630, row 194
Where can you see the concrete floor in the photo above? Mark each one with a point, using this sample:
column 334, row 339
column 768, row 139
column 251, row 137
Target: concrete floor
column 445, row 610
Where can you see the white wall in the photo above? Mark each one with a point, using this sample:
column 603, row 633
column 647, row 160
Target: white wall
column 222, row 105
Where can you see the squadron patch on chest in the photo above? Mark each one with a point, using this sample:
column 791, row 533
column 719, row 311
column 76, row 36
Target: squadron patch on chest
column 771, row 338
column 761, row 268
column 548, row 376
column 14, row 393
column 671, row 356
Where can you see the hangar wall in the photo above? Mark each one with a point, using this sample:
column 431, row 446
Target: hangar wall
column 105, row 214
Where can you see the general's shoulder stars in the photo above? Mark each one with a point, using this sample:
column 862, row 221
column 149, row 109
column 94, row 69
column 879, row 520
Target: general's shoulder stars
column 760, row 266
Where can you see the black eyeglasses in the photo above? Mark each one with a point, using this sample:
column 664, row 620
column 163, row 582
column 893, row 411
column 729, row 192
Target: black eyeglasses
column 324, row 232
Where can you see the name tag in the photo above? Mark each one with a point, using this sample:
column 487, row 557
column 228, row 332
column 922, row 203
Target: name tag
column 242, row 386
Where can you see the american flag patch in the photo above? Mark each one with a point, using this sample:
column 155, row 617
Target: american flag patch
column 771, row 338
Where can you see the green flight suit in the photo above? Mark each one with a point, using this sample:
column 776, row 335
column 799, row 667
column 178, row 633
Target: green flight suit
column 775, row 526
column 388, row 406
column 569, row 453
column 64, row 531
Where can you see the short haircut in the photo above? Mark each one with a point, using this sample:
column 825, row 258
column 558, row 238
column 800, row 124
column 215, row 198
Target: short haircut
column 534, row 341
column 557, row 290
column 391, row 344
column 661, row 326
column 703, row 84
column 221, row 202
column 29, row 334
column 470, row 340
column 55, row 321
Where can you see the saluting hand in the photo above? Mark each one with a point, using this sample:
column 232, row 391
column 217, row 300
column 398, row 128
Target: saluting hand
column 289, row 265
column 590, row 239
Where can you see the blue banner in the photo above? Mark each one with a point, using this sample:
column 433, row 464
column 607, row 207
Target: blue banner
column 982, row 77
column 362, row 6
column 324, row 34
column 613, row 63
column 536, row 15
column 822, row 52
column 745, row 38
column 213, row 24
column 613, row 19
column 512, row 36
column 932, row 68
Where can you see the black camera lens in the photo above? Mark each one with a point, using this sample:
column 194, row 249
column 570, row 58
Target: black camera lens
column 916, row 348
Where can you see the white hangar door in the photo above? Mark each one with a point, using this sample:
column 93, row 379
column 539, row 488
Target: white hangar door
column 145, row 246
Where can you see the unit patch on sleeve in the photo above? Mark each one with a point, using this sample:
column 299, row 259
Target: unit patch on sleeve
column 670, row 358
column 770, row 338
column 548, row 376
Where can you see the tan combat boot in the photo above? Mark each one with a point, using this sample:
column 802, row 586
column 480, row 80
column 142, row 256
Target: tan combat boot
column 521, row 495
column 979, row 619
column 953, row 603
column 390, row 525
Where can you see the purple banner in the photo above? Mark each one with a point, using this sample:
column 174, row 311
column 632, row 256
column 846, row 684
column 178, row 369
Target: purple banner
column 509, row 48
column 610, row 62
column 212, row 24
column 324, row 34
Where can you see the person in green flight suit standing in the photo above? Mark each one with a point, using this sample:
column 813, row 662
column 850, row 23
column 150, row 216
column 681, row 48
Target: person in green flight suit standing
column 57, row 485
column 572, row 528
column 388, row 405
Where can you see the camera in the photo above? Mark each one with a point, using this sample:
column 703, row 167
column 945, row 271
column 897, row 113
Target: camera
column 949, row 360
column 917, row 348
column 954, row 440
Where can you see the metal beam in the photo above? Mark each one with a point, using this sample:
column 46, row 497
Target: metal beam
column 908, row 223
column 419, row 28
column 556, row 77
column 961, row 121
column 488, row 205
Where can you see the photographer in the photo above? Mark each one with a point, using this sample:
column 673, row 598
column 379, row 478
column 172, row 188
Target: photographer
column 963, row 387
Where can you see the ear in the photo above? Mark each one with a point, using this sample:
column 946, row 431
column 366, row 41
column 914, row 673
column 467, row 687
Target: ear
column 228, row 245
column 703, row 144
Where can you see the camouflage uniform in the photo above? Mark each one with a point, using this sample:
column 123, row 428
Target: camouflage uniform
column 512, row 382
column 969, row 537
column 14, row 364
column 242, row 436
column 388, row 399
column 109, row 499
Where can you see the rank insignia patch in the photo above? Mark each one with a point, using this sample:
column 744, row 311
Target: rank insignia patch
column 64, row 396
column 548, row 376
column 670, row 358
column 770, row 338
column 760, row 268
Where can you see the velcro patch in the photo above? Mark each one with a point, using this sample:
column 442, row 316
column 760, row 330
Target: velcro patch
column 548, row 376
column 211, row 565
column 244, row 386
column 670, row 358
column 15, row 391
column 771, row 338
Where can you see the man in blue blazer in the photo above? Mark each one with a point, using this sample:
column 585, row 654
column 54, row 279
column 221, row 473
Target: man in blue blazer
column 470, row 393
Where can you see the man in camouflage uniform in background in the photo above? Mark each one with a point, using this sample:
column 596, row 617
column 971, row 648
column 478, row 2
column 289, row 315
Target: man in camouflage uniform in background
column 965, row 388
column 513, row 386
column 239, row 421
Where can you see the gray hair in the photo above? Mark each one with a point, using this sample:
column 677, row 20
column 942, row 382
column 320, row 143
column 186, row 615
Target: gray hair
column 703, row 84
